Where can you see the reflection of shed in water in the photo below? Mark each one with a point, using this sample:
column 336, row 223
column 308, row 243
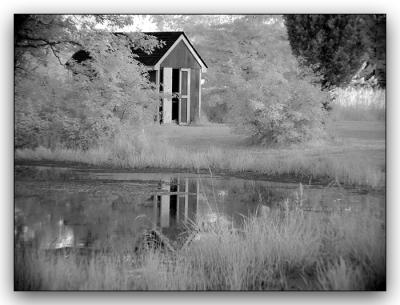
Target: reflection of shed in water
column 177, row 202
column 176, row 207
column 180, row 202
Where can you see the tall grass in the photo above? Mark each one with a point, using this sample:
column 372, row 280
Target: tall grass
column 285, row 248
column 141, row 153
column 359, row 104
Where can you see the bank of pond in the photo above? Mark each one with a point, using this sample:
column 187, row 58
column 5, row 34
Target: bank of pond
column 101, row 230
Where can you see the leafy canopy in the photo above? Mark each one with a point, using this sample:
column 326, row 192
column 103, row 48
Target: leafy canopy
column 61, row 102
column 336, row 46
column 253, row 80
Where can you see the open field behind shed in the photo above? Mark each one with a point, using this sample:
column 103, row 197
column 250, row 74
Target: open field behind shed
column 355, row 139
column 353, row 155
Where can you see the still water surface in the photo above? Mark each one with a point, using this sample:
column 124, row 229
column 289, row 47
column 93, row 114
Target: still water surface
column 70, row 208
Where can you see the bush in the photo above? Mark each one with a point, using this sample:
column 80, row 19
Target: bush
column 257, row 84
column 284, row 112
column 61, row 119
column 70, row 110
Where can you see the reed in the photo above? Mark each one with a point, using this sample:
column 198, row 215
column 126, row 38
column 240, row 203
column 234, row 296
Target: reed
column 314, row 164
column 359, row 104
column 281, row 249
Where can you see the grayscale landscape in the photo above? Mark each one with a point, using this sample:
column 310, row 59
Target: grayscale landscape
column 200, row 152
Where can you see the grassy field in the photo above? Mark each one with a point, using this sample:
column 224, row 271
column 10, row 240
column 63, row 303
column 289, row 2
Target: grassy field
column 359, row 104
column 286, row 248
column 348, row 137
column 282, row 249
column 355, row 155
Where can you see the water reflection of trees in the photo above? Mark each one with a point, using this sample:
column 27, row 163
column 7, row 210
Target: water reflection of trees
column 114, row 215
column 100, row 219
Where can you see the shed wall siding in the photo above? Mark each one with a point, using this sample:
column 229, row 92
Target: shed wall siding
column 180, row 57
column 194, row 95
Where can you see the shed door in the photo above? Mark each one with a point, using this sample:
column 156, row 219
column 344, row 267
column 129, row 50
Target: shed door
column 167, row 105
column 184, row 101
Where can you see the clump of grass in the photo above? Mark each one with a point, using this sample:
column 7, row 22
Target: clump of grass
column 359, row 104
column 285, row 248
column 340, row 276
column 50, row 271
column 308, row 164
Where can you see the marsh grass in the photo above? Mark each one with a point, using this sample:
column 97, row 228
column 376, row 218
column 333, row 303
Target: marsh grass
column 142, row 152
column 283, row 249
column 359, row 104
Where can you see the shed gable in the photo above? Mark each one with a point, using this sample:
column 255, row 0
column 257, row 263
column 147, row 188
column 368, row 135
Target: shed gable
column 180, row 57
column 170, row 40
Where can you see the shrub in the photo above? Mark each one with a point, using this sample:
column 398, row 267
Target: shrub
column 259, row 85
column 76, row 113
column 285, row 112
column 78, row 105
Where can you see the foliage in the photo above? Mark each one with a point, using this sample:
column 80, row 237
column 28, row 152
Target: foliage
column 253, row 80
column 289, row 112
column 337, row 45
column 59, row 101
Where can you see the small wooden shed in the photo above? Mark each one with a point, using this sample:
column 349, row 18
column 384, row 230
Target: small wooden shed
column 176, row 69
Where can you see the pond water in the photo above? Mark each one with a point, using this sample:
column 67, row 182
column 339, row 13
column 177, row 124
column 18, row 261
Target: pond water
column 59, row 208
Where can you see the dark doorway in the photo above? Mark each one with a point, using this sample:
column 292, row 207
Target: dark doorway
column 175, row 80
column 173, row 200
column 175, row 92
column 175, row 110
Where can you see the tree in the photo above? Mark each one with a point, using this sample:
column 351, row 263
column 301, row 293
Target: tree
column 253, row 80
column 336, row 46
column 58, row 105
column 276, row 102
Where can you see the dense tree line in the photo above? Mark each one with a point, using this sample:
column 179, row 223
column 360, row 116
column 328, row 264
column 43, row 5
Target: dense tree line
column 336, row 46
column 264, row 77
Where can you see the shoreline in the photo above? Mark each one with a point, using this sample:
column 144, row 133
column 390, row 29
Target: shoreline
column 248, row 175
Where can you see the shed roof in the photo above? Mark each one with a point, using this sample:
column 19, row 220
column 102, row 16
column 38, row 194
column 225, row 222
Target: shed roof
column 169, row 39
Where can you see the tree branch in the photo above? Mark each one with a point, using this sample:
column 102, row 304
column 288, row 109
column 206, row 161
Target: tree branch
column 32, row 42
column 45, row 41
column 29, row 45
column 56, row 55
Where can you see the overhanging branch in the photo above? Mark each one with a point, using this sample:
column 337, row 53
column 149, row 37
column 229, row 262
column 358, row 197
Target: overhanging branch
column 30, row 42
column 56, row 55
column 34, row 42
